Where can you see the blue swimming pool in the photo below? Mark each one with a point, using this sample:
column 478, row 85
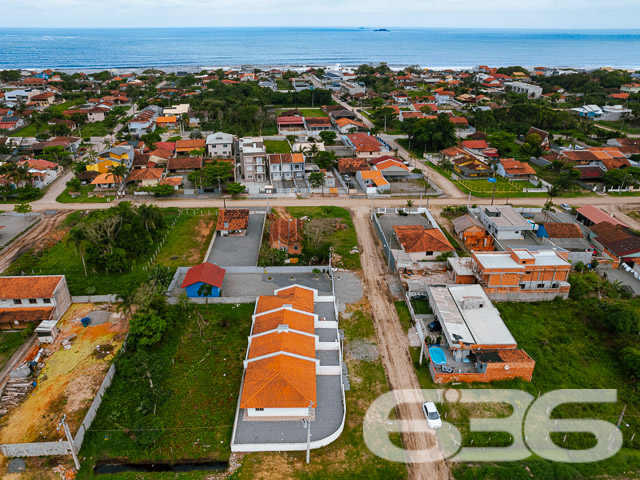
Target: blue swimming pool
column 437, row 356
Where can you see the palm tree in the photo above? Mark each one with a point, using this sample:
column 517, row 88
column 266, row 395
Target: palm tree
column 77, row 237
column 547, row 208
column 119, row 172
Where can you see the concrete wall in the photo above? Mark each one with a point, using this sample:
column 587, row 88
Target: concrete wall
column 494, row 371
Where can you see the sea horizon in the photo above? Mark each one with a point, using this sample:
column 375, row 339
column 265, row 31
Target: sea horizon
column 194, row 48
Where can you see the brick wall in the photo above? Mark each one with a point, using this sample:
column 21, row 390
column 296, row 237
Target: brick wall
column 494, row 372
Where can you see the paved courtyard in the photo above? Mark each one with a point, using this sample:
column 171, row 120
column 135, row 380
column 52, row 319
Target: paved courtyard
column 239, row 251
column 387, row 222
column 254, row 284
column 14, row 225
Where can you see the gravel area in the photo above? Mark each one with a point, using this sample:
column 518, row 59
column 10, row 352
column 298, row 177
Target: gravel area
column 348, row 289
column 12, row 226
column 239, row 251
column 362, row 350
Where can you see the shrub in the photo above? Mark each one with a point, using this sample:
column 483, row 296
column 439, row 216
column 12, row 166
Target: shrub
column 631, row 360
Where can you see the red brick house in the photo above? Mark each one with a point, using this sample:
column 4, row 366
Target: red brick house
column 286, row 235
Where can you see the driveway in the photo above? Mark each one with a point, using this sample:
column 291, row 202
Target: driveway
column 239, row 251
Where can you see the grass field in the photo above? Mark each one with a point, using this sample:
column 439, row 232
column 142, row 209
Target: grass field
column 343, row 241
column 84, row 197
column 570, row 353
column 30, row 130
column 184, row 243
column 9, row 343
column 634, row 130
column 277, row 146
column 202, row 374
column 348, row 457
column 307, row 112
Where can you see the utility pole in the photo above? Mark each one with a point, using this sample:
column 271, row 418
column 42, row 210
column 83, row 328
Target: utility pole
column 72, row 446
column 621, row 415
column 309, row 433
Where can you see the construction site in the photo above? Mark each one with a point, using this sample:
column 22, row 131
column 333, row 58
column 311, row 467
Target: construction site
column 60, row 379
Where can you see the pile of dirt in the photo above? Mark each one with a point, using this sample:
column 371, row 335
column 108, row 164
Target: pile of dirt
column 362, row 350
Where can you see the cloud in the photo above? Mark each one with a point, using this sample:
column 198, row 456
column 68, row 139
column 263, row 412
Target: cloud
column 586, row 14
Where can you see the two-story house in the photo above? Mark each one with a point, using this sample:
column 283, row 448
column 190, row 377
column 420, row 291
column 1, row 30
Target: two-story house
column 285, row 166
column 503, row 222
column 221, row 145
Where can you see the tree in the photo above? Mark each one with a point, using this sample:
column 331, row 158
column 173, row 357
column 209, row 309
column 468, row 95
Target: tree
column 195, row 134
column 432, row 135
column 236, row 188
column 618, row 317
column 125, row 304
column 325, row 160
column 548, row 206
column 631, row 360
column 206, row 291
column 160, row 276
column 59, row 130
column 162, row 190
column 620, row 178
column 328, row 137
column 22, row 208
column 147, row 328
column 531, row 145
column 316, row 180
column 57, row 154
column 74, row 185
column 119, row 172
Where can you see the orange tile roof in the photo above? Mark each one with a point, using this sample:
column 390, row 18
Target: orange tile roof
column 235, row 219
column 375, row 176
column 279, row 382
column 145, row 174
column 303, row 322
column 286, row 231
column 514, row 167
column 170, row 119
column 298, row 298
column 105, row 178
column 291, row 342
column 391, row 163
column 417, row 238
column 28, row 287
column 188, row 145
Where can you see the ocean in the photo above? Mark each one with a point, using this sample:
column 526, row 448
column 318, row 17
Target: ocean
column 191, row 48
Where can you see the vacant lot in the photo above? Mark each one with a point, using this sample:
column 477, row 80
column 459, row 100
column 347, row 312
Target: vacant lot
column 277, row 146
column 183, row 246
column 332, row 225
column 68, row 382
column 9, row 343
column 84, row 197
column 201, row 373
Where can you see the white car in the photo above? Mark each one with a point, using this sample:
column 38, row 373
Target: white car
column 431, row 412
column 565, row 206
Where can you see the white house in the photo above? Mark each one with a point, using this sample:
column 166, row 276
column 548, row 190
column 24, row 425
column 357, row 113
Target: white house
column 221, row 145
column 532, row 91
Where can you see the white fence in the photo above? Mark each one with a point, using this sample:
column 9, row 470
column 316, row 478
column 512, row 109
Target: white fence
column 93, row 409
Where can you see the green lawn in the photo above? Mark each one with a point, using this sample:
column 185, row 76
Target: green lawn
column 307, row 112
column 343, row 241
column 9, row 343
column 569, row 352
column 202, row 372
column 403, row 315
column 634, row 130
column 84, row 197
column 30, row 130
column 97, row 129
column 183, row 243
column 277, row 146
column 348, row 457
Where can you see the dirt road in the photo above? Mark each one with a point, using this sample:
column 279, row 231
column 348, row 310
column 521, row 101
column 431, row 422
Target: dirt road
column 394, row 350
column 31, row 238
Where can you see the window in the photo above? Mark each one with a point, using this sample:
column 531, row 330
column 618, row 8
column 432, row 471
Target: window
column 17, row 301
column 295, row 247
column 46, row 300
column 32, row 301
column 522, row 286
column 259, row 409
column 541, row 285
column 528, row 272
column 428, row 253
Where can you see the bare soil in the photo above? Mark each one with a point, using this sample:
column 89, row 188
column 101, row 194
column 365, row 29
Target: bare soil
column 394, row 348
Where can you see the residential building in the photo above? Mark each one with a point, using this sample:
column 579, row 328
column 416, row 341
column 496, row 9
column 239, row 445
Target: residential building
column 221, row 145
column 351, row 88
column 20, row 95
column 253, row 159
column 32, row 299
column 372, row 182
column 365, row 145
column 567, row 236
column 144, row 121
column 170, row 122
column 293, row 123
column 348, row 125
column 615, row 242
column 468, row 166
column 420, row 243
column 293, row 359
column 521, row 275
column 532, row 91
column 177, row 110
column 286, row 235
column 184, row 164
column 285, row 166
column 318, row 124
column 96, row 114
column 233, row 222
column 503, row 222
column 545, row 139
column 630, row 88
column 113, row 157
column 479, row 347
column 514, row 170
column 473, row 234
column 352, row 165
column 392, row 169
column 146, row 177
column 590, row 215
column 204, row 275
column 106, row 181
column 185, row 147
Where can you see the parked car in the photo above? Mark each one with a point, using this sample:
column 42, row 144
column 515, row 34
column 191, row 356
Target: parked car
column 431, row 412
column 435, row 326
column 565, row 207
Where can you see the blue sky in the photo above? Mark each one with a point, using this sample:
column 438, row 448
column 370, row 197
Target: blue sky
column 557, row 14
